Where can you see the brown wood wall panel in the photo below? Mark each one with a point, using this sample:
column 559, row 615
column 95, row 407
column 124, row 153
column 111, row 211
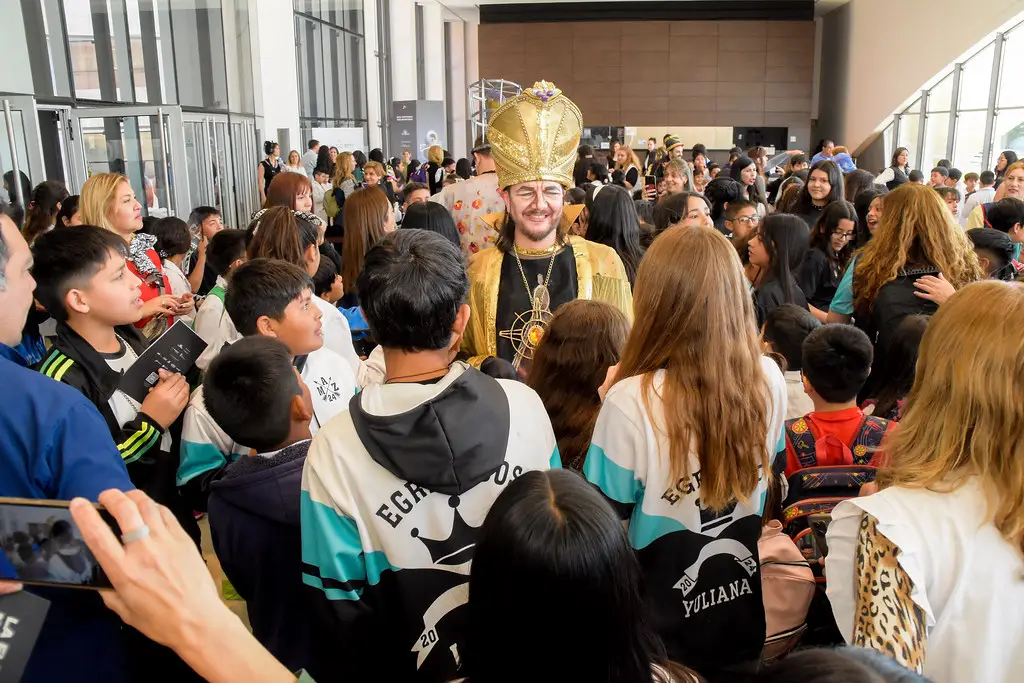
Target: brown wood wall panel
column 664, row 73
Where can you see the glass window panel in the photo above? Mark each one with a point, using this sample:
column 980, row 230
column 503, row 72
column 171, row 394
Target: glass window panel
column 199, row 53
column 334, row 77
column 888, row 144
column 98, row 41
column 301, row 65
column 356, row 60
column 940, row 96
column 343, row 103
column 6, row 157
column 910, row 124
column 238, row 47
column 1011, row 94
column 55, row 46
column 936, row 134
column 915, row 107
column 165, row 55
column 1009, row 132
column 316, row 67
column 976, row 79
column 969, row 146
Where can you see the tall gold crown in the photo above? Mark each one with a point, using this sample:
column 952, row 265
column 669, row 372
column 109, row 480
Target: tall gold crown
column 534, row 136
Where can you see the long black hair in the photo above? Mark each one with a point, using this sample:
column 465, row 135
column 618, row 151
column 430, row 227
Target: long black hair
column 841, row 665
column 432, row 217
column 1011, row 159
column 555, row 581
column 862, row 203
column 753, row 192
column 785, row 238
column 827, row 223
column 899, row 363
column 614, row 223
column 835, row 179
column 720, row 192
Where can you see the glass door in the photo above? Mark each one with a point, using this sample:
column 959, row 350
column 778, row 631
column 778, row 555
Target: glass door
column 145, row 144
column 20, row 150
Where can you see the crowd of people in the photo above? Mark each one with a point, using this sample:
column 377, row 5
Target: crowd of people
column 542, row 414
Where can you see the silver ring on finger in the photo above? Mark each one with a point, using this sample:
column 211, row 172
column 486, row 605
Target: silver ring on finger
column 135, row 534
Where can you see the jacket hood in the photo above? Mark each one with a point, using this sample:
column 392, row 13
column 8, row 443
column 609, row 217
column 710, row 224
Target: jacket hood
column 265, row 487
column 453, row 436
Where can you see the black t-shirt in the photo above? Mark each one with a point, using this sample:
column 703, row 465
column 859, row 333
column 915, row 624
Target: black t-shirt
column 770, row 296
column 513, row 299
column 811, row 217
column 818, row 280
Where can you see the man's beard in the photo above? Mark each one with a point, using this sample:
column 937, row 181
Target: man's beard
column 535, row 233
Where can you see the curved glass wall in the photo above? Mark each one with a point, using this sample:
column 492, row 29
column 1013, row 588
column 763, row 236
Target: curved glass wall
column 972, row 113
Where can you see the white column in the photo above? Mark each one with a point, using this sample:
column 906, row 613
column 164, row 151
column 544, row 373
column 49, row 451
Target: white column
column 277, row 68
column 403, row 50
column 371, row 44
column 433, row 40
column 458, row 111
column 472, row 30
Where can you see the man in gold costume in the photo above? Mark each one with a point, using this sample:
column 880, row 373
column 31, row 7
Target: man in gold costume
column 536, row 266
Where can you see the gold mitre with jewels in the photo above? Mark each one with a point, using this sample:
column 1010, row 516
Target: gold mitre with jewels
column 534, row 136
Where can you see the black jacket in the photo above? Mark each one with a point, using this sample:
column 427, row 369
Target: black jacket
column 254, row 523
column 73, row 361
column 770, row 295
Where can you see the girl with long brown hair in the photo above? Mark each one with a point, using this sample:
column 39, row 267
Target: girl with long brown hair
column 917, row 236
column 43, row 208
column 583, row 340
column 939, row 552
column 683, row 443
column 369, row 216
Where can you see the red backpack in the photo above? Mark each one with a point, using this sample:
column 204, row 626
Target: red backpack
column 830, row 472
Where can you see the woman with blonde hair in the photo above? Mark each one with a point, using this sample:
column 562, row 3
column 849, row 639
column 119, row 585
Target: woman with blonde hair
column 344, row 178
column 936, row 557
column 294, row 164
column 627, row 162
column 682, row 447
column 108, row 201
column 369, row 217
column 583, row 340
column 435, row 169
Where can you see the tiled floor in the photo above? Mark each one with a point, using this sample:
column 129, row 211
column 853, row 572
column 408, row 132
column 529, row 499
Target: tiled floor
column 236, row 606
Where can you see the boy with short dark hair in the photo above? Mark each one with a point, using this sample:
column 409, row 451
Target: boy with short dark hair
column 785, row 330
column 327, row 283
column 254, row 393
column 836, row 361
column 970, row 184
column 225, row 252
column 84, row 284
column 274, row 299
column 939, row 176
column 204, row 222
column 916, row 176
column 395, row 489
column 1007, row 215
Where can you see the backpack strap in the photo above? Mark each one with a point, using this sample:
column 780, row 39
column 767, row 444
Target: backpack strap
column 869, row 437
column 217, row 292
column 802, row 438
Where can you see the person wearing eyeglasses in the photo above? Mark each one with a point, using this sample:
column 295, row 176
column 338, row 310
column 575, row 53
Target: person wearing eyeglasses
column 741, row 221
column 831, row 247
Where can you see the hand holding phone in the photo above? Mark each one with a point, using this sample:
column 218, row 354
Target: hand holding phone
column 167, row 399
column 42, row 545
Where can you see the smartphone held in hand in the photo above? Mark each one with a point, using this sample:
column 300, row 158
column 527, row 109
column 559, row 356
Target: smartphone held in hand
column 42, row 545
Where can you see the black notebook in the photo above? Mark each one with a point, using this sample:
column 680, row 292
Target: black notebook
column 176, row 350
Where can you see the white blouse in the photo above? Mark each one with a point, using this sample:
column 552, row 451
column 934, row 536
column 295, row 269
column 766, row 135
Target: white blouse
column 967, row 579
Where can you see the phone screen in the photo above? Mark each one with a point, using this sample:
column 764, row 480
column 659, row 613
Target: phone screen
column 42, row 545
column 650, row 181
